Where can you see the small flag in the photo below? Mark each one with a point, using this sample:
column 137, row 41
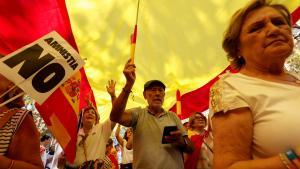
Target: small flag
column 178, row 103
column 133, row 42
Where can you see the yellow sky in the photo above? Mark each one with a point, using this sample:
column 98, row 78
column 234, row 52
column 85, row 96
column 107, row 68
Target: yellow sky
column 179, row 43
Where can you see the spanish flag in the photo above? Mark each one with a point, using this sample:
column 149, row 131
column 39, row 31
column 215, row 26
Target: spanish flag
column 196, row 100
column 22, row 22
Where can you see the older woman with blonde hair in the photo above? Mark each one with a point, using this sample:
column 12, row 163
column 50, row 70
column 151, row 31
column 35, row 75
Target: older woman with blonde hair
column 255, row 113
column 197, row 134
column 91, row 139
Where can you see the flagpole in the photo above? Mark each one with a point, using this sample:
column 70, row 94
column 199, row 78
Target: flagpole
column 134, row 34
column 8, row 91
column 12, row 99
column 137, row 12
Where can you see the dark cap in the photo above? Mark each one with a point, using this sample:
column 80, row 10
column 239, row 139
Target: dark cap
column 152, row 83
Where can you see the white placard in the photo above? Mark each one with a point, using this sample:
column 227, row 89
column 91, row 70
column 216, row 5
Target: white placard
column 40, row 67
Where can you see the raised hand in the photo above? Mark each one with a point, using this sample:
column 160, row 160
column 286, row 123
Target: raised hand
column 110, row 88
column 129, row 73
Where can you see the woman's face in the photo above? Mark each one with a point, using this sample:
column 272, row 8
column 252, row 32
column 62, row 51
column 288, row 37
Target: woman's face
column 89, row 116
column 129, row 132
column 199, row 121
column 265, row 38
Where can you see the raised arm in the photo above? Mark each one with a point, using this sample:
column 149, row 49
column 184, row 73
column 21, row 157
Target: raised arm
column 117, row 135
column 111, row 90
column 129, row 143
column 118, row 113
column 233, row 132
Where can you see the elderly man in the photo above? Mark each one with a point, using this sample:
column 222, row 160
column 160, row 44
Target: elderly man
column 148, row 124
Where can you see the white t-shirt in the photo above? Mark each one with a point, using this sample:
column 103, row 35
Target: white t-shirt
column 127, row 155
column 275, row 108
column 95, row 143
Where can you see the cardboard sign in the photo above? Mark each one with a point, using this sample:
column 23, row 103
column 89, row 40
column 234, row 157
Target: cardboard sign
column 40, row 67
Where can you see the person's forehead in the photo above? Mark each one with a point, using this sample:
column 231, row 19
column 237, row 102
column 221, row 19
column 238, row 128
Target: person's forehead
column 89, row 110
column 199, row 115
column 261, row 14
column 155, row 87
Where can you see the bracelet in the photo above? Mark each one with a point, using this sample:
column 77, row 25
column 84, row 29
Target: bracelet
column 126, row 91
column 292, row 156
column 11, row 164
column 287, row 163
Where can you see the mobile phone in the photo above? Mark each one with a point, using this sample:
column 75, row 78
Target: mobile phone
column 167, row 132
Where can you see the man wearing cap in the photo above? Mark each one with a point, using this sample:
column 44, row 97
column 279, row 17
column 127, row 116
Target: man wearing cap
column 148, row 124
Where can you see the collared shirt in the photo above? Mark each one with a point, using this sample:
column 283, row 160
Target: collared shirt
column 95, row 143
column 148, row 150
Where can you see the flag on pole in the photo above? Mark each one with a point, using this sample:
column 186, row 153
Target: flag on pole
column 133, row 42
column 178, row 103
column 134, row 34
column 22, row 22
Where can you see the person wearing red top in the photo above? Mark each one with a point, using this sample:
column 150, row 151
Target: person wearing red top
column 196, row 133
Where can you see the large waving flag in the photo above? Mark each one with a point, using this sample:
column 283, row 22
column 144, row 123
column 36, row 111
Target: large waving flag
column 198, row 100
column 22, row 22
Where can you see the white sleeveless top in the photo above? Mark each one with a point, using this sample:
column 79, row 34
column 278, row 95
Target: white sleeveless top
column 127, row 155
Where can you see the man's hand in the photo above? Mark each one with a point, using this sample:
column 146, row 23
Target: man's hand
column 111, row 88
column 182, row 142
column 175, row 138
column 129, row 73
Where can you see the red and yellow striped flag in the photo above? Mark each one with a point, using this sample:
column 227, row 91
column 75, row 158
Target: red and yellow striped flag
column 60, row 111
column 133, row 43
column 178, row 103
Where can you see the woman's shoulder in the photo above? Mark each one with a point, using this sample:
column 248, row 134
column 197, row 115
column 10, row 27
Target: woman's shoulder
column 229, row 92
column 235, row 81
column 223, row 81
